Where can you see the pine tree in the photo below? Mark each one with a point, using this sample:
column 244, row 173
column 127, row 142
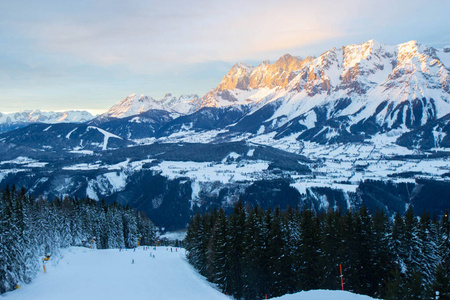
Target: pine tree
column 275, row 248
column 235, row 249
column 331, row 255
column 252, row 256
column 365, row 253
column 395, row 288
column 193, row 238
column 383, row 261
column 221, row 260
column 441, row 283
column 4, row 239
column 428, row 243
column 310, row 251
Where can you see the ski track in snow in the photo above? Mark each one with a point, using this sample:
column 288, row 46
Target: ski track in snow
column 106, row 137
column 109, row 274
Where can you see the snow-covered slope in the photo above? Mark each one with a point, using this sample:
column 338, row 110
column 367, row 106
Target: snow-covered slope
column 109, row 274
column 134, row 105
column 323, row 295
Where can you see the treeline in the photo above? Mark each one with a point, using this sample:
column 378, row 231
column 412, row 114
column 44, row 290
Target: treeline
column 253, row 253
column 31, row 228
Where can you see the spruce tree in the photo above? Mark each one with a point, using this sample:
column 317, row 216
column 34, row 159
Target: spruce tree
column 309, row 251
column 331, row 255
column 383, row 255
column 252, row 256
column 235, row 249
column 221, row 260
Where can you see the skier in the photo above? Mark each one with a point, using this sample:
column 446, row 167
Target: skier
column 132, row 261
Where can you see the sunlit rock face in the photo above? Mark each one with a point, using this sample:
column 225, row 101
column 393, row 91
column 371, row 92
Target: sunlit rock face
column 390, row 87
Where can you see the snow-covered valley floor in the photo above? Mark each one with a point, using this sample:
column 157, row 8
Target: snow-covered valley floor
column 109, row 274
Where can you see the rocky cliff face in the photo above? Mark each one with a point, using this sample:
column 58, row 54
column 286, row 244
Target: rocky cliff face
column 374, row 87
column 391, row 86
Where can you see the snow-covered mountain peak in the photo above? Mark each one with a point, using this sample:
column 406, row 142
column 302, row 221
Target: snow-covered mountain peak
column 237, row 77
column 135, row 105
column 19, row 119
column 182, row 105
column 355, row 54
column 131, row 105
column 358, row 81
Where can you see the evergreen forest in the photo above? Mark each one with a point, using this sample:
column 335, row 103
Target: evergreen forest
column 32, row 228
column 253, row 254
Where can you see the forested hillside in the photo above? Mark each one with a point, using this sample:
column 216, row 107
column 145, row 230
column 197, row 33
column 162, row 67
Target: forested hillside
column 253, row 253
column 32, row 228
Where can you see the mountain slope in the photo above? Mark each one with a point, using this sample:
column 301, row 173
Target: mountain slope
column 110, row 274
column 345, row 95
column 66, row 137
column 134, row 105
column 374, row 86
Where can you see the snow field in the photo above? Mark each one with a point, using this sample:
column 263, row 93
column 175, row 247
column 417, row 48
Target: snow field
column 109, row 274
column 324, row 295
column 83, row 273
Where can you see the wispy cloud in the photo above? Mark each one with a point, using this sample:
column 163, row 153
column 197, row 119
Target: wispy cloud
column 85, row 48
column 178, row 31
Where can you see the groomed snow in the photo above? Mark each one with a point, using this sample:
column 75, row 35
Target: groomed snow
column 109, row 274
column 324, row 295
column 83, row 273
column 106, row 137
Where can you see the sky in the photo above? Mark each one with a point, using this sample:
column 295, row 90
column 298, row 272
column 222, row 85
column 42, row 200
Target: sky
column 85, row 54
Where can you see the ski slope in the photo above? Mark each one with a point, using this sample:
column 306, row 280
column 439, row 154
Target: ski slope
column 110, row 274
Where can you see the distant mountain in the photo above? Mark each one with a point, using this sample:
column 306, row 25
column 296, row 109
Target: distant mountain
column 9, row 121
column 134, row 105
column 141, row 126
column 63, row 137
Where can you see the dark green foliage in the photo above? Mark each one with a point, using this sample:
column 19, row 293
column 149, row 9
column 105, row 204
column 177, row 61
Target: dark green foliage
column 253, row 253
column 29, row 229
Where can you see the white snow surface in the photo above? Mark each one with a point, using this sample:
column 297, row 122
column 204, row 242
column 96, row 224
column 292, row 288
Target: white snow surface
column 323, row 295
column 213, row 172
column 109, row 274
column 83, row 273
column 106, row 135
column 174, row 235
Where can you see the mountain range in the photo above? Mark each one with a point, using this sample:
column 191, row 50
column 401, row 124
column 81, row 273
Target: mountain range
column 360, row 124
column 10, row 121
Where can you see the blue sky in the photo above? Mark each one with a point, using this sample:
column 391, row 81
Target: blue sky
column 58, row 55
